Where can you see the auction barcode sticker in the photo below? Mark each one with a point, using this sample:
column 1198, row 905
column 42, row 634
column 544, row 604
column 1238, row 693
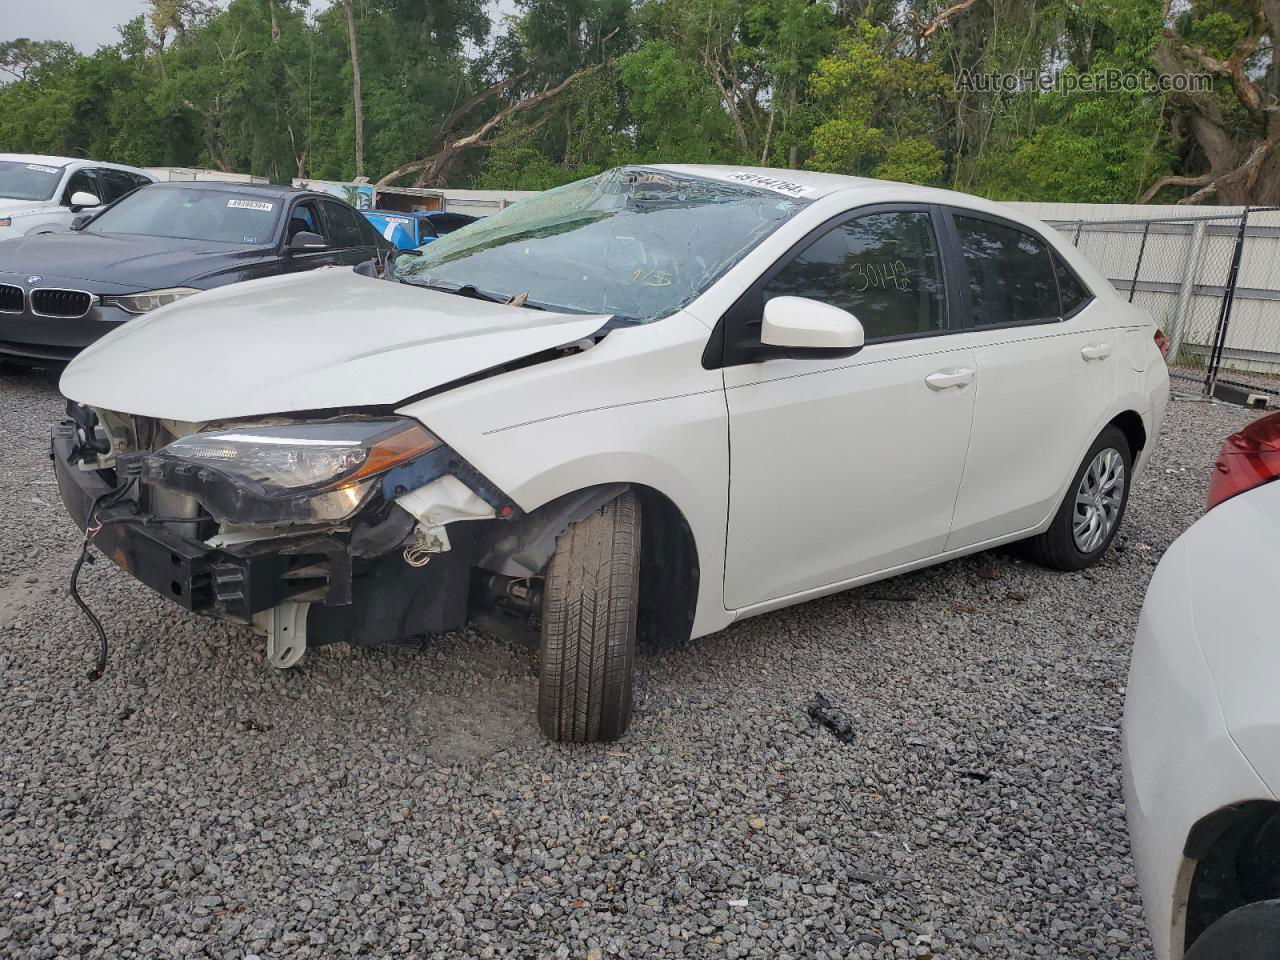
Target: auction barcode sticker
column 41, row 168
column 763, row 181
column 251, row 205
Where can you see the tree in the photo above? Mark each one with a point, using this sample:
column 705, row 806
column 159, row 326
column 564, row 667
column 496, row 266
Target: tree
column 878, row 114
column 431, row 169
column 26, row 59
column 570, row 87
column 1234, row 128
column 355, row 86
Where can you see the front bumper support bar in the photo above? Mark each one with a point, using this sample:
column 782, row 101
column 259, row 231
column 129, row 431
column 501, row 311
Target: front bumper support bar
column 233, row 583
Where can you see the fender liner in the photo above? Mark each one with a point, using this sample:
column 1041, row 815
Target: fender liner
column 527, row 542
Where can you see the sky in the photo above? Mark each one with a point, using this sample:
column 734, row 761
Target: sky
column 88, row 24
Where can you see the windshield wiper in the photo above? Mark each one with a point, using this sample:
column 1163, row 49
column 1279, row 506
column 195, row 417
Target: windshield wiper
column 475, row 293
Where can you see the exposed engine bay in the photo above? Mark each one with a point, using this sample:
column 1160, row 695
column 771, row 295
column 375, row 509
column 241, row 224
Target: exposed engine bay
column 355, row 527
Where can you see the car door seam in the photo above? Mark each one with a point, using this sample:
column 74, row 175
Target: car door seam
column 964, row 465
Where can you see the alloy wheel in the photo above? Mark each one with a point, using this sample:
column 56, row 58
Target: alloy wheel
column 1098, row 500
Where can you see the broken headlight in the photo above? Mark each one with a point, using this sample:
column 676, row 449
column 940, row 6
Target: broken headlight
column 320, row 472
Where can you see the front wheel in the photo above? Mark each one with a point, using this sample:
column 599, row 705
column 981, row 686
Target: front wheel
column 1090, row 515
column 588, row 640
column 1251, row 932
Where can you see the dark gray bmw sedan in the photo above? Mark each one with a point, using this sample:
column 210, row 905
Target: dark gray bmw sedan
column 60, row 292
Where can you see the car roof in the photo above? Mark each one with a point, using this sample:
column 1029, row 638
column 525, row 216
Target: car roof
column 811, row 185
column 810, row 182
column 247, row 189
column 51, row 161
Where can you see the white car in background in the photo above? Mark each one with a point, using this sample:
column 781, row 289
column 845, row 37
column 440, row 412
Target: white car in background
column 1202, row 720
column 41, row 194
column 664, row 398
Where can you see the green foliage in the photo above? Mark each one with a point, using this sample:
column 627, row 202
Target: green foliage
column 878, row 111
column 265, row 87
column 912, row 161
column 676, row 117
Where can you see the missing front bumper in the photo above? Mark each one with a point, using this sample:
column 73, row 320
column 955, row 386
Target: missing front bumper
column 359, row 600
column 231, row 583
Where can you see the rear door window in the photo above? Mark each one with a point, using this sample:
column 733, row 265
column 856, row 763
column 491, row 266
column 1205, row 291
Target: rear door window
column 344, row 225
column 1010, row 273
column 116, row 183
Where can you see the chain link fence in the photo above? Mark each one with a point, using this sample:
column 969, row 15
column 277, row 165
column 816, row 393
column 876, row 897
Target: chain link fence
column 1212, row 283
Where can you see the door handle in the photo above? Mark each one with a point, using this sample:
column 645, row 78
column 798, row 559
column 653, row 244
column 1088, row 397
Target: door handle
column 1096, row 351
column 951, row 377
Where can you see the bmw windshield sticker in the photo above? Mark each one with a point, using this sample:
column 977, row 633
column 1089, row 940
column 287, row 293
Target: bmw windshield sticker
column 251, row 205
column 41, row 168
column 776, row 184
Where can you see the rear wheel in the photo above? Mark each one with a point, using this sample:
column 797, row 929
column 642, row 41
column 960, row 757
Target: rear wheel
column 1090, row 515
column 589, row 606
column 1251, row 932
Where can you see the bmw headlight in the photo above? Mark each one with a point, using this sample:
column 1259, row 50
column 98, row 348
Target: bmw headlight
column 146, row 302
column 318, row 472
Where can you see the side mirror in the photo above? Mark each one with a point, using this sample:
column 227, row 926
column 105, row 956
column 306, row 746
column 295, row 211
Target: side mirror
column 80, row 221
column 305, row 241
column 810, row 325
column 83, row 198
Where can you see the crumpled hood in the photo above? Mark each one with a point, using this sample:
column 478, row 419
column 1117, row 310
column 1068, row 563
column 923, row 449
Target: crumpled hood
column 310, row 341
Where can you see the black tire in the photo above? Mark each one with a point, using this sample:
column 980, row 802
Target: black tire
column 1056, row 547
column 589, row 605
column 1251, row 932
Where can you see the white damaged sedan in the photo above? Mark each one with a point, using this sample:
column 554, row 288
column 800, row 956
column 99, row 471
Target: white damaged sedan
column 657, row 400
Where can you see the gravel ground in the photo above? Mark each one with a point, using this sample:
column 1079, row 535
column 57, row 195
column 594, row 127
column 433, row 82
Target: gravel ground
column 399, row 802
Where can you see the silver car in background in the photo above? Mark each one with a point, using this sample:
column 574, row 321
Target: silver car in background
column 41, row 194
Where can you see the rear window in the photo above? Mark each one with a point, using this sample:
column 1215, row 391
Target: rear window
column 192, row 214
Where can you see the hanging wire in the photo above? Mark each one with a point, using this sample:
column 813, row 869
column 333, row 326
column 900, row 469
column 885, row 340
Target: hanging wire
column 93, row 524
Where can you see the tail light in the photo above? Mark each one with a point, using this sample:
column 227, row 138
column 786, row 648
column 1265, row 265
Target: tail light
column 1248, row 459
column 1162, row 343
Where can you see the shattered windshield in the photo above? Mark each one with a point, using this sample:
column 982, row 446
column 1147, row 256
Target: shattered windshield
column 633, row 242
